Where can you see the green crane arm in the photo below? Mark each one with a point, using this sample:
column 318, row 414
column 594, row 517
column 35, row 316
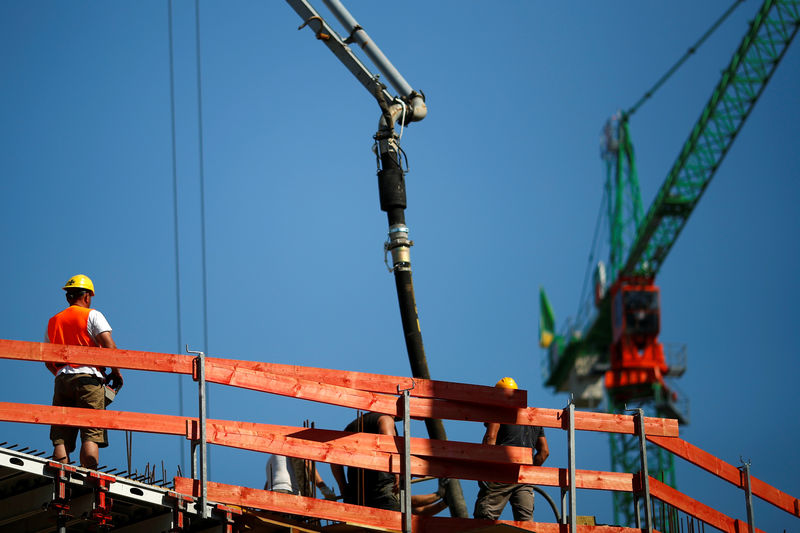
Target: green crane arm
column 733, row 98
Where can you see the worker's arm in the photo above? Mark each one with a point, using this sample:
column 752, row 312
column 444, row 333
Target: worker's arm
column 490, row 437
column 51, row 367
column 114, row 379
column 542, row 451
column 386, row 427
column 427, row 504
column 326, row 491
column 338, row 475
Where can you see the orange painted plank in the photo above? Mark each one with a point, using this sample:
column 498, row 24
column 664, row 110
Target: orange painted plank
column 427, row 408
column 59, row 353
column 332, row 394
column 288, row 503
column 728, row 472
column 420, row 388
column 366, row 456
column 692, row 507
column 364, row 516
column 76, row 416
column 462, row 451
column 161, row 362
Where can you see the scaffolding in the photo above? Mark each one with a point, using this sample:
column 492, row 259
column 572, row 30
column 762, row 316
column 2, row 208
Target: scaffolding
column 234, row 506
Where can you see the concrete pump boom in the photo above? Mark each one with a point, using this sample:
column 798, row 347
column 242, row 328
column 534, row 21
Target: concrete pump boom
column 408, row 107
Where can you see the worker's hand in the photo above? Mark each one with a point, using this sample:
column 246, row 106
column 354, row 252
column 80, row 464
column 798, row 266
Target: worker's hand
column 441, row 491
column 114, row 380
column 327, row 492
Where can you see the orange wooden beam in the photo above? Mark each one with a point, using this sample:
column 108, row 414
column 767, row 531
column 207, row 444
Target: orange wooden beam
column 227, row 373
column 358, row 515
column 461, row 451
column 728, row 472
column 694, row 508
column 78, row 417
column 420, row 388
column 182, row 364
column 359, row 450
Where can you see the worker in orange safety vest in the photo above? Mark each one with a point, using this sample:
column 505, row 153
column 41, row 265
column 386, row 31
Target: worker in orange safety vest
column 80, row 386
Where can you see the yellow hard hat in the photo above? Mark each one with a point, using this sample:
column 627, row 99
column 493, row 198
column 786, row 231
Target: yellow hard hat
column 507, row 383
column 79, row 282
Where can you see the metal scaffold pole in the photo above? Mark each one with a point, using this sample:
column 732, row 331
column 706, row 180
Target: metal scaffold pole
column 200, row 376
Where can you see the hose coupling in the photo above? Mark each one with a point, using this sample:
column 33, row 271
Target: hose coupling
column 400, row 247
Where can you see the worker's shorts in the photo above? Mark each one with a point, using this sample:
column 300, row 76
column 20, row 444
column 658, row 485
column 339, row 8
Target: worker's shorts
column 492, row 498
column 78, row 390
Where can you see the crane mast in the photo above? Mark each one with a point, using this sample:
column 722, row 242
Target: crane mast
column 613, row 345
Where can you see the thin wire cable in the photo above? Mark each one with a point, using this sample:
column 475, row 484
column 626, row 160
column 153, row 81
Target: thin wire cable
column 175, row 213
column 685, row 56
column 579, row 319
column 202, row 193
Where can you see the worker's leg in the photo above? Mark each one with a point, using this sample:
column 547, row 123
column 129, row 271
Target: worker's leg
column 63, row 437
column 522, row 503
column 90, row 454
column 90, row 394
column 492, row 498
column 60, row 453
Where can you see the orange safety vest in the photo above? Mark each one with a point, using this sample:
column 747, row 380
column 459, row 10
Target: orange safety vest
column 70, row 326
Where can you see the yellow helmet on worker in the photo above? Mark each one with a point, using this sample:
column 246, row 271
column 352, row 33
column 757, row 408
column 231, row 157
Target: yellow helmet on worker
column 79, row 282
column 507, row 383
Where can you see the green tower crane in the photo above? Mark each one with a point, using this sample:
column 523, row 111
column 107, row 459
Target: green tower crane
column 612, row 346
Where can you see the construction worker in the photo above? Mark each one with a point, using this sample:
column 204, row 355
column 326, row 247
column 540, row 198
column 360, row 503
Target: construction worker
column 80, row 386
column 283, row 474
column 492, row 497
column 381, row 489
column 369, row 487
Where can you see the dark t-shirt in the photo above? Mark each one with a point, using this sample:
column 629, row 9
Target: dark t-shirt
column 513, row 435
column 374, row 482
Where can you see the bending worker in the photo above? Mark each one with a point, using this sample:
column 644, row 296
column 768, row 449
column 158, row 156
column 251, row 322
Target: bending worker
column 288, row 475
column 381, row 489
column 80, row 386
column 492, row 497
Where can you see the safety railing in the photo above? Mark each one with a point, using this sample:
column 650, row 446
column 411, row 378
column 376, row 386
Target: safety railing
column 422, row 457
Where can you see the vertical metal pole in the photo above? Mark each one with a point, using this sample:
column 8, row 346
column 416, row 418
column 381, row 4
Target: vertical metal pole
column 748, row 494
column 573, row 513
column 564, row 512
column 637, row 510
column 644, row 473
column 201, row 393
column 406, row 488
column 194, row 459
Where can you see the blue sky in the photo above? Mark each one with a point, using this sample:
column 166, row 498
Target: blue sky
column 504, row 186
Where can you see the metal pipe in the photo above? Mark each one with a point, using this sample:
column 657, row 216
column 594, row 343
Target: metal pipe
column 549, row 501
column 644, row 473
column 573, row 511
column 406, row 491
column 201, row 394
column 748, row 495
column 564, row 511
column 370, row 48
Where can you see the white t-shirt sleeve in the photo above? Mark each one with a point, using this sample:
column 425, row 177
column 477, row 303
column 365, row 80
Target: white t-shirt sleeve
column 97, row 323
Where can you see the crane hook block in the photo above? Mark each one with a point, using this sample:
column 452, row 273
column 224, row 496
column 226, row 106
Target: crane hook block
column 392, row 188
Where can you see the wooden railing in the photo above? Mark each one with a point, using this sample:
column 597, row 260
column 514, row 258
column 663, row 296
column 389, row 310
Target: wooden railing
column 373, row 392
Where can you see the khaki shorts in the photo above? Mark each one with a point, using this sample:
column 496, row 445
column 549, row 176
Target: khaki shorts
column 493, row 497
column 78, row 390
